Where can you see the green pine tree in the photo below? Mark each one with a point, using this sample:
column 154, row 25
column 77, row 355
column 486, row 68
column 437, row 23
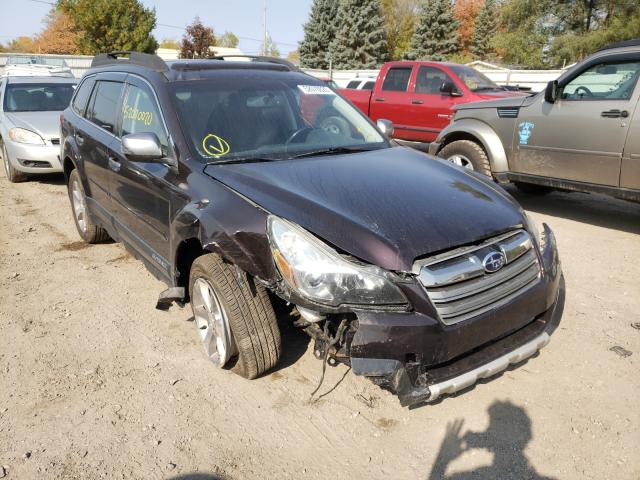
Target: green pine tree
column 485, row 29
column 319, row 31
column 436, row 34
column 361, row 39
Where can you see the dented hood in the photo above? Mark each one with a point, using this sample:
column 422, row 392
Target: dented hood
column 386, row 207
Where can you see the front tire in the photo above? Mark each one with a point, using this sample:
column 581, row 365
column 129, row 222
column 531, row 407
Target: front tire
column 467, row 154
column 13, row 175
column 234, row 317
column 89, row 231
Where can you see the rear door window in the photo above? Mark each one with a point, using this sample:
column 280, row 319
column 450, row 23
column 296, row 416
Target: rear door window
column 397, row 79
column 104, row 104
column 81, row 99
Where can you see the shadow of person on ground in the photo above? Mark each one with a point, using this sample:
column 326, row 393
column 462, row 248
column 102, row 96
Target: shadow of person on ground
column 594, row 209
column 507, row 436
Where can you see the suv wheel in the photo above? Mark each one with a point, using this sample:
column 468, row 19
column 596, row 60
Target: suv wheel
column 234, row 317
column 89, row 231
column 13, row 175
column 467, row 154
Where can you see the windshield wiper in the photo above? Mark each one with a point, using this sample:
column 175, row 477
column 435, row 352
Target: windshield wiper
column 244, row 160
column 332, row 151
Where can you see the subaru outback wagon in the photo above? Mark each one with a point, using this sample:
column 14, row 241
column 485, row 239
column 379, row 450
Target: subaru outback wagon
column 245, row 185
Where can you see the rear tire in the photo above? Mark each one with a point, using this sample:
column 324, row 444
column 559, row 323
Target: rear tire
column 13, row 175
column 89, row 231
column 533, row 189
column 467, row 154
column 245, row 305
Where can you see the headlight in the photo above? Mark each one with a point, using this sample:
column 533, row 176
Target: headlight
column 532, row 228
column 22, row 135
column 319, row 273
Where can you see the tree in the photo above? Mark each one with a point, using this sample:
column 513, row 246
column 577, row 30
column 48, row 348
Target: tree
column 361, row 39
column 108, row 25
column 22, row 44
column 60, row 35
column 294, row 57
column 319, row 32
column 399, row 18
column 466, row 12
column 228, row 40
column 197, row 40
column 170, row 43
column 270, row 49
column 436, row 35
column 484, row 31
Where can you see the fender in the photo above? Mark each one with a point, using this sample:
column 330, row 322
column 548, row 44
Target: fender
column 484, row 134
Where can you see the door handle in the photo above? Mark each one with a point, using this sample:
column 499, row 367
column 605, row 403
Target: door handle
column 114, row 164
column 417, row 102
column 615, row 114
column 79, row 139
column 379, row 99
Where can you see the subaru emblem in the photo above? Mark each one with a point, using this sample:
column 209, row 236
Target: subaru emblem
column 493, row 262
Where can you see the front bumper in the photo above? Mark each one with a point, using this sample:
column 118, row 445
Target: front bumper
column 418, row 358
column 434, row 147
column 34, row 158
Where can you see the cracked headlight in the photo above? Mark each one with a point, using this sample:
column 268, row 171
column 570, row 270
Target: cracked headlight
column 22, row 135
column 319, row 273
column 532, row 228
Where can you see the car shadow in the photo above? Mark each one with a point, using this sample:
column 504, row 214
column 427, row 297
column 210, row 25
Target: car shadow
column 594, row 209
column 48, row 179
column 508, row 434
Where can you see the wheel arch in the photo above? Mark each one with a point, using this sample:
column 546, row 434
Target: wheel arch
column 480, row 133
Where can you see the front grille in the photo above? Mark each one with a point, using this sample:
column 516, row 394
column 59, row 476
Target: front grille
column 508, row 112
column 460, row 287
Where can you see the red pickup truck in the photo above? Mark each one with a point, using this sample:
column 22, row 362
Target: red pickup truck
column 418, row 97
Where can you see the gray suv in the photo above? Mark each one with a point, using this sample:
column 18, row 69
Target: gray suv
column 582, row 133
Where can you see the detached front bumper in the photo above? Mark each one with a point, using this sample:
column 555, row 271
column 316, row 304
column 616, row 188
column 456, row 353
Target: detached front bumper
column 417, row 357
column 34, row 158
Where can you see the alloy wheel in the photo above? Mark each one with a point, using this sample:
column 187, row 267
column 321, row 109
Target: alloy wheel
column 461, row 161
column 79, row 205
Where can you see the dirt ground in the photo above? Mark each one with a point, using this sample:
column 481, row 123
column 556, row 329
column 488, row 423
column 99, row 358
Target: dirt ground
column 96, row 383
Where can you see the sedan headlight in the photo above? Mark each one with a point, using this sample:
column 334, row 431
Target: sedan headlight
column 532, row 228
column 319, row 273
column 22, row 135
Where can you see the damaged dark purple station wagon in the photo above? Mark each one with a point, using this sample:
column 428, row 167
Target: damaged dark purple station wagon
column 243, row 184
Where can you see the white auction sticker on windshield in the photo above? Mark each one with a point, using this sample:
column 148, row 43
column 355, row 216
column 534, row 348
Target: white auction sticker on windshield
column 316, row 90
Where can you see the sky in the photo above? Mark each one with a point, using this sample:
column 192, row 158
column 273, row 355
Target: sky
column 242, row 17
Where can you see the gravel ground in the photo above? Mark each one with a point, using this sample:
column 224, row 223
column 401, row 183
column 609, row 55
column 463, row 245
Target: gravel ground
column 96, row 383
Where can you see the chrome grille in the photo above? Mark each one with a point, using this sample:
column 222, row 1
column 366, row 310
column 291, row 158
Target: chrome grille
column 459, row 286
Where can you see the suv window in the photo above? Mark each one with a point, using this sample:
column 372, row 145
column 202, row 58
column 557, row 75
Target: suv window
column 353, row 84
column 397, row 79
column 369, row 86
column 104, row 104
column 605, row 81
column 81, row 99
column 140, row 114
column 430, row 79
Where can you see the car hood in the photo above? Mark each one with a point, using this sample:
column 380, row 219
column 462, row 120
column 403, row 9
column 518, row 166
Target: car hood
column 501, row 94
column 45, row 124
column 510, row 101
column 386, row 207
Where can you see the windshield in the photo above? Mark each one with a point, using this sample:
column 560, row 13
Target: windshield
column 38, row 97
column 36, row 60
column 269, row 117
column 473, row 79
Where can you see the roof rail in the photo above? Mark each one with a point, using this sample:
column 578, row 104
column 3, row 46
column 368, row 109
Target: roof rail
column 259, row 58
column 153, row 62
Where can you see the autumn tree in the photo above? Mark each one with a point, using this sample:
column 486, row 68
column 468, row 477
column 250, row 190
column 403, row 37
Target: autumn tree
column 466, row 13
column 197, row 40
column 361, row 38
column 436, row 34
column 60, row 35
column 228, row 40
column 22, row 44
column 399, row 18
column 170, row 43
column 294, row 57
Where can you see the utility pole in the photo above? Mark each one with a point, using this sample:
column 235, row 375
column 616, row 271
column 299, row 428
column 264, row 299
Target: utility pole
column 264, row 28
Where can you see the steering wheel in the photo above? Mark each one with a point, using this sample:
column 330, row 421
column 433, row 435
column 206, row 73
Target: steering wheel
column 298, row 133
column 587, row 92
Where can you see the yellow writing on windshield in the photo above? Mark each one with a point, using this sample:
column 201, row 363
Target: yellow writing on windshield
column 132, row 113
column 215, row 146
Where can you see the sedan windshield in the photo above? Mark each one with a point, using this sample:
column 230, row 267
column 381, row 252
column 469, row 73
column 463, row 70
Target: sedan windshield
column 38, row 97
column 474, row 80
column 269, row 117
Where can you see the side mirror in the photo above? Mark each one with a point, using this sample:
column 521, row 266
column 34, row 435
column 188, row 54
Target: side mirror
column 142, row 147
column 385, row 126
column 448, row 88
column 551, row 92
